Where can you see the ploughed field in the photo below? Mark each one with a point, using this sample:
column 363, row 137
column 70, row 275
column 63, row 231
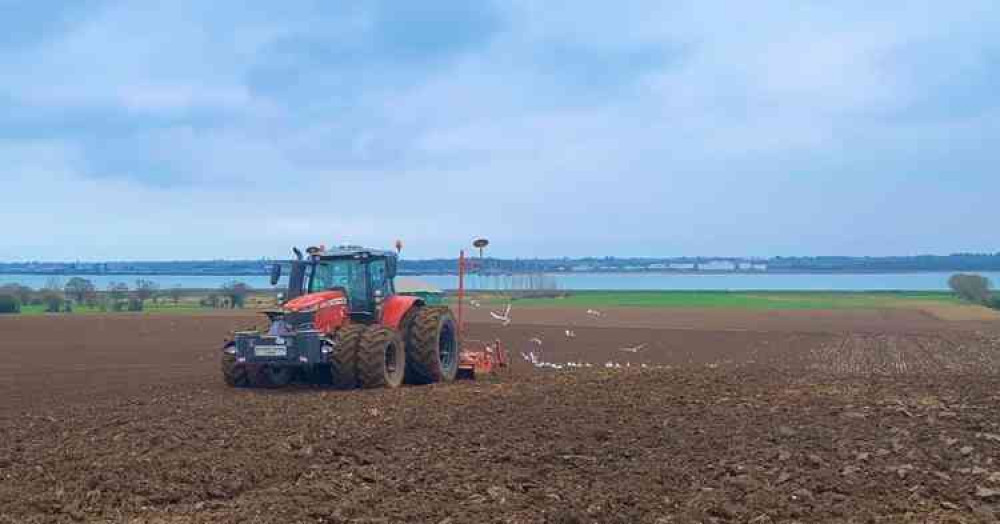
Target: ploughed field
column 845, row 416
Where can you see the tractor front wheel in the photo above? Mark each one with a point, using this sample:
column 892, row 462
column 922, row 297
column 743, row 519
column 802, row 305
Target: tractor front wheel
column 432, row 350
column 343, row 359
column 381, row 358
column 235, row 374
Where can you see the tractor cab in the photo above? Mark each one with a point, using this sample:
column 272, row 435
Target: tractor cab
column 365, row 278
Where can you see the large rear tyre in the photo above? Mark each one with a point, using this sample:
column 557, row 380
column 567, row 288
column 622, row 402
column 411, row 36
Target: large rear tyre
column 432, row 351
column 381, row 358
column 343, row 360
column 235, row 374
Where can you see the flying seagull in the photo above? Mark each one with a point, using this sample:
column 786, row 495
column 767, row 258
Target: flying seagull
column 536, row 340
column 570, row 333
column 505, row 318
column 634, row 349
column 594, row 313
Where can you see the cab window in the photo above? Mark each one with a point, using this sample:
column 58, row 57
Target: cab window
column 348, row 274
column 380, row 279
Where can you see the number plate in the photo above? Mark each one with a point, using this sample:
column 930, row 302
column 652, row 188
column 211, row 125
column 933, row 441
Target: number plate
column 270, row 351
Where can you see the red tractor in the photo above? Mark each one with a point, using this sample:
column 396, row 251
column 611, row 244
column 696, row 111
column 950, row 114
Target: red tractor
column 341, row 321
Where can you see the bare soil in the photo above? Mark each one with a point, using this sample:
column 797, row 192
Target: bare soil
column 774, row 418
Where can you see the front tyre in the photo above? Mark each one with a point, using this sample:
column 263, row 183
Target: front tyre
column 235, row 374
column 344, row 358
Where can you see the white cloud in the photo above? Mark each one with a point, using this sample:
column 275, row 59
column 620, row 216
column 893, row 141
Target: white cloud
column 634, row 127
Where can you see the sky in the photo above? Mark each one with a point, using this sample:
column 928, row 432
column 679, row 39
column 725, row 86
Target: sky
column 226, row 129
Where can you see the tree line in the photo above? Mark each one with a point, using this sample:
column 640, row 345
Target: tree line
column 117, row 297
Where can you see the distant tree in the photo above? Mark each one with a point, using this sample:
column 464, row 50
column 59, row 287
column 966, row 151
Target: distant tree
column 23, row 293
column 145, row 289
column 52, row 300
column 236, row 292
column 175, row 294
column 974, row 288
column 80, row 289
column 212, row 300
column 117, row 294
column 52, row 296
column 134, row 304
column 54, row 284
column 994, row 302
column 9, row 304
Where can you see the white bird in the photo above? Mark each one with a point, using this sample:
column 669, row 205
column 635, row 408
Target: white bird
column 475, row 303
column 536, row 340
column 570, row 333
column 634, row 349
column 594, row 313
column 505, row 317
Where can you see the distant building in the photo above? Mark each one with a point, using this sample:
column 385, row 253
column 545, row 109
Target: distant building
column 717, row 265
column 656, row 266
column 683, row 266
column 749, row 265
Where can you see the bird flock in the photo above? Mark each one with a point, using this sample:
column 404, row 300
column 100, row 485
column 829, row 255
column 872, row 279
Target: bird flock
column 535, row 356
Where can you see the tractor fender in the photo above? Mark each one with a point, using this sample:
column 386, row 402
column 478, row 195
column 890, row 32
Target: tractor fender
column 396, row 307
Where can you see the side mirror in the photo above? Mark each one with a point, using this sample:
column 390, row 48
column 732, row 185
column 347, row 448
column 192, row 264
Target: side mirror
column 275, row 274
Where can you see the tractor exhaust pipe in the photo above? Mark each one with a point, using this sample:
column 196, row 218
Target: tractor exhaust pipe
column 461, row 292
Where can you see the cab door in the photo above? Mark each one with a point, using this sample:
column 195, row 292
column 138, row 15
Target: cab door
column 381, row 283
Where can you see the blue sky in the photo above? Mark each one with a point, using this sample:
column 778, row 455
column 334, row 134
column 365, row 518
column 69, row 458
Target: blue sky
column 131, row 130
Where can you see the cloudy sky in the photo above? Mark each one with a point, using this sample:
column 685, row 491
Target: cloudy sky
column 190, row 129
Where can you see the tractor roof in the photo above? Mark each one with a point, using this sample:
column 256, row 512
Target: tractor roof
column 353, row 251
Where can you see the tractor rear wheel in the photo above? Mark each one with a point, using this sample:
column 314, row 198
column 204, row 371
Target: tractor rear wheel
column 432, row 350
column 343, row 360
column 381, row 358
column 235, row 374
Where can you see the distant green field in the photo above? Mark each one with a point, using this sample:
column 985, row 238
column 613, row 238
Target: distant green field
column 744, row 300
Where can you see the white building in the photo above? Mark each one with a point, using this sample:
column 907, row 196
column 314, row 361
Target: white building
column 717, row 265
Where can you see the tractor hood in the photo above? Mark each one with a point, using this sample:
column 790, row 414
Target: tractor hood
column 315, row 301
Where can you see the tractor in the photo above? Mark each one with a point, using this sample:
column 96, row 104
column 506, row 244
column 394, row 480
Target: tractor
column 341, row 322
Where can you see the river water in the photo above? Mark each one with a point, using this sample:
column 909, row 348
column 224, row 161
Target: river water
column 583, row 281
